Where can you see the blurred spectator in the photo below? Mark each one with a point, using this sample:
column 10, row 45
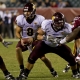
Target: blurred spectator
column 53, row 4
column 1, row 14
column 1, row 22
column 30, row 1
column 68, row 4
column 23, row 1
column 2, row 5
column 7, row 24
column 47, row 3
column 39, row 2
column 12, row 24
column 42, row 5
column 12, row 3
column 61, row 4
column 18, row 4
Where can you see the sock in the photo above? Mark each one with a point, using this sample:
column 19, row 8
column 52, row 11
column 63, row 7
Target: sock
column 6, row 72
column 51, row 70
column 74, row 72
column 78, row 68
column 21, row 67
column 27, row 71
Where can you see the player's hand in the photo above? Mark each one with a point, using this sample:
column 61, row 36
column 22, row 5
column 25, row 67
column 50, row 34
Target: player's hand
column 26, row 41
column 50, row 38
column 22, row 42
column 30, row 40
column 53, row 39
column 6, row 43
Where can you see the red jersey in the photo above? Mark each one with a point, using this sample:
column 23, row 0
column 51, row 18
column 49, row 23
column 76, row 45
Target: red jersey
column 76, row 23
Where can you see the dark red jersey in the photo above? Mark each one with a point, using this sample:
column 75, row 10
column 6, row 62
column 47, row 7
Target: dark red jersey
column 76, row 22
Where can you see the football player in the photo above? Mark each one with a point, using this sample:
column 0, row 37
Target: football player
column 27, row 26
column 50, row 31
column 6, row 73
column 76, row 24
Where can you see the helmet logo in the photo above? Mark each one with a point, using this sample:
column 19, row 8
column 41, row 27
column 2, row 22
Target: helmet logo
column 26, row 9
column 34, row 7
column 53, row 17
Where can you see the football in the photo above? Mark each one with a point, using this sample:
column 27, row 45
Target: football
column 26, row 41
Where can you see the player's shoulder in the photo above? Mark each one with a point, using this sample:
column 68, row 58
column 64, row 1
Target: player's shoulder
column 47, row 21
column 40, row 16
column 20, row 17
column 68, row 25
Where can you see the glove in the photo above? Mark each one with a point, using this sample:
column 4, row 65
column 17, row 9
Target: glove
column 48, row 37
column 5, row 43
column 53, row 39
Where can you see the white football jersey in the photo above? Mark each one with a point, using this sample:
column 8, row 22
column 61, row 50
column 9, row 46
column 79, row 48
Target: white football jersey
column 29, row 29
column 47, row 28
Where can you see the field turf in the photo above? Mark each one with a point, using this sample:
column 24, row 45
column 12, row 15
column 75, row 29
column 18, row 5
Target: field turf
column 40, row 71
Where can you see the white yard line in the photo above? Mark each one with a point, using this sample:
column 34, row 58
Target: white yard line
column 11, row 39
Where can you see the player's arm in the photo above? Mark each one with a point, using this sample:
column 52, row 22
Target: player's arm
column 71, row 36
column 18, row 32
column 5, row 43
column 40, row 34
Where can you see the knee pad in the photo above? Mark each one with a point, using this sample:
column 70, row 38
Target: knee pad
column 1, row 60
column 31, row 61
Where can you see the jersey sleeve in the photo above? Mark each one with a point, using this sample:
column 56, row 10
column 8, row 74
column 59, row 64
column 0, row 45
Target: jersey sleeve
column 41, row 19
column 76, row 24
column 18, row 20
column 70, row 28
column 43, row 25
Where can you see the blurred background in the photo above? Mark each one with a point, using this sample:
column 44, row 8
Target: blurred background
column 10, row 9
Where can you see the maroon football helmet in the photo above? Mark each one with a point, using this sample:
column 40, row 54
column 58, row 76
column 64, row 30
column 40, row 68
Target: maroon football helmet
column 58, row 21
column 29, row 10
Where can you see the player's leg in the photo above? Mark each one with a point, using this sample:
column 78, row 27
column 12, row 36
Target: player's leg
column 49, row 65
column 37, row 52
column 6, row 73
column 19, row 50
column 66, row 69
column 77, row 57
column 65, row 52
column 74, row 54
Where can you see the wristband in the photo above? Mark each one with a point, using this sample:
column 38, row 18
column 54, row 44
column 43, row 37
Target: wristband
column 63, row 41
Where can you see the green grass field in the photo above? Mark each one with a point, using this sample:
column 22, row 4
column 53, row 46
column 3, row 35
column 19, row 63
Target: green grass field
column 40, row 71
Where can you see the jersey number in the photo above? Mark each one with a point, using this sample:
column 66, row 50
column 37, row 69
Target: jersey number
column 29, row 31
